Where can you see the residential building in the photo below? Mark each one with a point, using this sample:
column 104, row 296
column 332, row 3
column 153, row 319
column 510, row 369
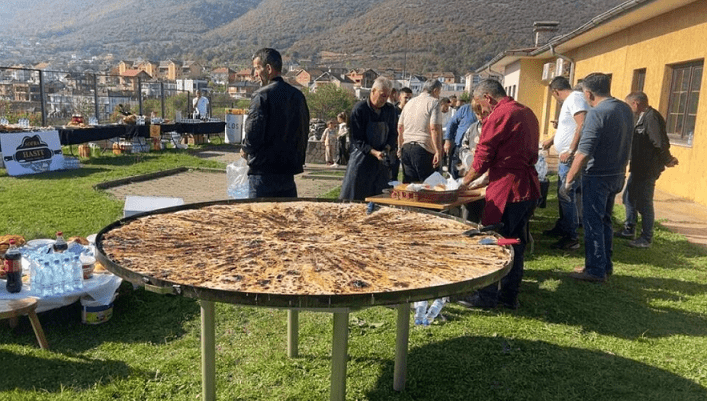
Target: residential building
column 328, row 78
column 170, row 70
column 655, row 46
column 130, row 79
column 223, row 76
column 242, row 89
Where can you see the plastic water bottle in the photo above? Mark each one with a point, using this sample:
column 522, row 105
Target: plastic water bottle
column 67, row 273
column 57, row 277
column 77, row 268
column 46, row 280
column 420, row 308
column 434, row 310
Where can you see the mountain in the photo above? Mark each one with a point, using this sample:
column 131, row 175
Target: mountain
column 420, row 35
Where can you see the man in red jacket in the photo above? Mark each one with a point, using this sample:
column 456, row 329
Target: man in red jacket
column 508, row 150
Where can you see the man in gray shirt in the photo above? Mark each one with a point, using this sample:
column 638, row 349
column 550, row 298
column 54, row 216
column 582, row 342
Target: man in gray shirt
column 603, row 152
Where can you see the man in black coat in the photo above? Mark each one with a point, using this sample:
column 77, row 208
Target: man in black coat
column 650, row 155
column 276, row 131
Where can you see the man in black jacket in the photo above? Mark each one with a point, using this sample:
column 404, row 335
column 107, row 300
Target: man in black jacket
column 276, row 131
column 650, row 154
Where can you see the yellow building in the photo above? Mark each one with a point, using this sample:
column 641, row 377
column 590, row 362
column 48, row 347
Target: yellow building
column 657, row 46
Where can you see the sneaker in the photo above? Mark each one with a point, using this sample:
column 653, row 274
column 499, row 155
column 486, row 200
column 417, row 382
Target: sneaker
column 580, row 269
column 566, row 244
column 640, row 242
column 334, row 165
column 584, row 276
column 554, row 232
column 627, row 232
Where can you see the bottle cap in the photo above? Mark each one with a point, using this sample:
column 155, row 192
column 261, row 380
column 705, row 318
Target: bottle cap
column 59, row 233
column 11, row 242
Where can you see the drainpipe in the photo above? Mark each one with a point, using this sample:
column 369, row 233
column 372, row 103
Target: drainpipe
column 496, row 73
column 562, row 56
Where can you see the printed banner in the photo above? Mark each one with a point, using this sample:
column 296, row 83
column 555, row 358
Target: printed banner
column 31, row 152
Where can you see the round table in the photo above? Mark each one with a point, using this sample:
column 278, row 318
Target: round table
column 351, row 219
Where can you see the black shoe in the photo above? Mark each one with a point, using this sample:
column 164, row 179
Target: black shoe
column 566, row 244
column 627, row 232
column 475, row 301
column 554, row 232
column 512, row 305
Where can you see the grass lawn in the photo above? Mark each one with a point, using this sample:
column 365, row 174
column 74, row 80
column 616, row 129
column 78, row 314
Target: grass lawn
column 641, row 336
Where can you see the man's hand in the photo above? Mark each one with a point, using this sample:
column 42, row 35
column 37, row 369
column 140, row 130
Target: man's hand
column 563, row 193
column 243, row 153
column 447, row 146
column 547, row 144
column 566, row 157
column 377, row 154
column 436, row 159
column 554, row 124
column 673, row 162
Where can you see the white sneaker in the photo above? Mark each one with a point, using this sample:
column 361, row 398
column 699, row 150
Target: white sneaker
column 334, row 165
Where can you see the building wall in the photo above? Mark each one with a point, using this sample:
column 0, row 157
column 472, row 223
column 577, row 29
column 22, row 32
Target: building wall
column 673, row 38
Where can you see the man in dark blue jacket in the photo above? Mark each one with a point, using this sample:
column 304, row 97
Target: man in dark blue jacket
column 276, row 131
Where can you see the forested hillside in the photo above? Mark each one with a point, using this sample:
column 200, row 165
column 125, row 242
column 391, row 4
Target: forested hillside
column 422, row 34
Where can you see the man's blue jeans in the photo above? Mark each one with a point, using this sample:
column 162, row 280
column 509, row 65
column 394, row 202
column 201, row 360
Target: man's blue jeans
column 638, row 198
column 272, row 186
column 598, row 194
column 569, row 216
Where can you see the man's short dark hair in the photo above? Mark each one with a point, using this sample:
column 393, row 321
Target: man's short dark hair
column 269, row 56
column 639, row 97
column 406, row 90
column 491, row 87
column 597, row 83
column 445, row 100
column 560, row 84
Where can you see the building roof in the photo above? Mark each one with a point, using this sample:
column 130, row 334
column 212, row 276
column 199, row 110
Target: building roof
column 625, row 15
column 134, row 73
column 222, row 70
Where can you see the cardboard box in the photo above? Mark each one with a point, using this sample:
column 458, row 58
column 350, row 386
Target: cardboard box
column 197, row 139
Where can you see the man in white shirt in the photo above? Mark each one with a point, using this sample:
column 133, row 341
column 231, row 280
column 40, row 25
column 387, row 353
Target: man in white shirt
column 566, row 139
column 420, row 134
column 201, row 105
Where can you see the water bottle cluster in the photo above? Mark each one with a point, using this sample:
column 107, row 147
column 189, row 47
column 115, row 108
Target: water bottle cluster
column 424, row 316
column 239, row 191
column 56, row 269
column 55, row 274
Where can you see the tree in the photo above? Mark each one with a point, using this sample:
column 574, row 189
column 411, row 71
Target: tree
column 328, row 101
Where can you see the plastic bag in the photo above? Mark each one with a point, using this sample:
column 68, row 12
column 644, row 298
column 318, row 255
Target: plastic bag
column 237, row 177
column 541, row 166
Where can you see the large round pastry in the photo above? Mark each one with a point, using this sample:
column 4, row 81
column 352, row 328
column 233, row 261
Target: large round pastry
column 302, row 248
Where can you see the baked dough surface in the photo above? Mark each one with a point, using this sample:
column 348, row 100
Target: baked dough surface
column 302, row 248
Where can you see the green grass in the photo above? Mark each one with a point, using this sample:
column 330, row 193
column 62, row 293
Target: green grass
column 641, row 336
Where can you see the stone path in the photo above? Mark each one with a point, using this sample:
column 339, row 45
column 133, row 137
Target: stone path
column 205, row 185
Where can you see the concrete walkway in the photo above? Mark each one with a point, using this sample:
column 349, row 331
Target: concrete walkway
column 681, row 216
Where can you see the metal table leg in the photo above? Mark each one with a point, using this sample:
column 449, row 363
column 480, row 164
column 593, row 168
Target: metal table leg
column 292, row 332
column 401, row 347
column 339, row 356
column 208, row 352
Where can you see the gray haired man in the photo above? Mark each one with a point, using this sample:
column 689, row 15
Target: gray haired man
column 420, row 132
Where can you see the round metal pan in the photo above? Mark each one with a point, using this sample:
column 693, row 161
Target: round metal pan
column 323, row 301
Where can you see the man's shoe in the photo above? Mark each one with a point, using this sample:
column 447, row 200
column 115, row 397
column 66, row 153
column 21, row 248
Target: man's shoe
column 475, row 301
column 584, row 276
column 627, row 232
column 554, row 232
column 512, row 305
column 566, row 244
column 640, row 242
column 580, row 269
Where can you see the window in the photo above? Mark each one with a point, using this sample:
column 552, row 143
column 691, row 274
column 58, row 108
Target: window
column 685, row 85
column 639, row 78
